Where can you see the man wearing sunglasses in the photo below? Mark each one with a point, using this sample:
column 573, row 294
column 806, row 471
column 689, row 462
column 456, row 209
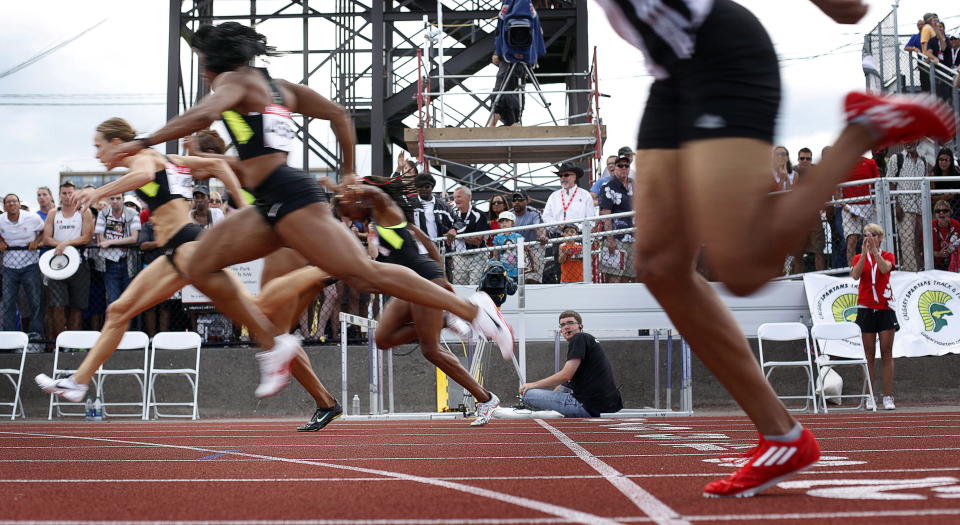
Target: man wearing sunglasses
column 616, row 257
column 585, row 386
column 570, row 203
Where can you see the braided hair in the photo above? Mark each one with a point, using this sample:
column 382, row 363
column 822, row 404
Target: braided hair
column 230, row 45
column 396, row 189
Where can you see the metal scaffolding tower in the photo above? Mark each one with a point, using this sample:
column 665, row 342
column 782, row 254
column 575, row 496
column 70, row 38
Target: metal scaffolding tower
column 362, row 54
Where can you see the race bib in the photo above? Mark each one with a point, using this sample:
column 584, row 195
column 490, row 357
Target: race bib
column 278, row 130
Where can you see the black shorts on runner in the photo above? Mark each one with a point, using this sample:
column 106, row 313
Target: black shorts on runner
column 729, row 88
column 285, row 191
column 188, row 233
column 426, row 268
column 873, row 321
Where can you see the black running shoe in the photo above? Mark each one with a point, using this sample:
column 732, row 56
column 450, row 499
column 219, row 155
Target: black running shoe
column 321, row 418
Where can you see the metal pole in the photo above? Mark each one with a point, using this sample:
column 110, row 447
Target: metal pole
column 522, row 304
column 173, row 67
column 926, row 216
column 656, row 368
column 378, row 148
column 669, row 404
column 556, row 351
column 343, row 366
column 896, row 49
column 586, row 228
column 390, row 377
column 371, row 374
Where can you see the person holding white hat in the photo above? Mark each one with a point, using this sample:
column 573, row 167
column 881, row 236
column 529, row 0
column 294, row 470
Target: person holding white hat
column 68, row 227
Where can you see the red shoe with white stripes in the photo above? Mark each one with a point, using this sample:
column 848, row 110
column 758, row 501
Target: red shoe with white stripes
column 901, row 118
column 769, row 463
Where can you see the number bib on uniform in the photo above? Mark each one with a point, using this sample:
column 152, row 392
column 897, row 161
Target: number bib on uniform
column 278, row 129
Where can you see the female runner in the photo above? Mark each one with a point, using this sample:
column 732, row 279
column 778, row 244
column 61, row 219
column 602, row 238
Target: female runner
column 164, row 189
column 290, row 209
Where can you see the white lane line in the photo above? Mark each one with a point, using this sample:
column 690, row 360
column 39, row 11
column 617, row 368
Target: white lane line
column 807, row 473
column 539, row 506
column 646, row 502
column 828, row 515
column 485, row 458
column 438, row 521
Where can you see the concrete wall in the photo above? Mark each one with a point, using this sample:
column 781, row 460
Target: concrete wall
column 229, row 376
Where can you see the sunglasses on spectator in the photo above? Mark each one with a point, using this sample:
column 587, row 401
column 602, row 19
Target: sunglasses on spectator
column 944, row 159
column 495, row 203
column 805, row 158
column 566, row 174
column 623, row 165
column 941, row 210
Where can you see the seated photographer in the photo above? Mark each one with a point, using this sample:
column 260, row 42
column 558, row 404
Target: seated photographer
column 585, row 385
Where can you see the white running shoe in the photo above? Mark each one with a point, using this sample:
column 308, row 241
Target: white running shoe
column 871, row 404
column 64, row 387
column 888, row 403
column 485, row 410
column 275, row 365
column 458, row 326
column 491, row 323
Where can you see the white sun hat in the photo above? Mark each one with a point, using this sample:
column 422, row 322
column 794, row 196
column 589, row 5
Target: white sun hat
column 60, row 267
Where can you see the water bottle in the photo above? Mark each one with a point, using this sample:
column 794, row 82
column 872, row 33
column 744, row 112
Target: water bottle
column 98, row 410
column 88, row 410
column 355, row 405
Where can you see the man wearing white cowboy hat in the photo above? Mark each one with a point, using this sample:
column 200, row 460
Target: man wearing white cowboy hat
column 68, row 227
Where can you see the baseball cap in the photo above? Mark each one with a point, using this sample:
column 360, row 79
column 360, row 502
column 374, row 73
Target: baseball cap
column 504, row 215
column 571, row 167
column 626, row 150
column 519, row 195
column 624, row 158
column 200, row 188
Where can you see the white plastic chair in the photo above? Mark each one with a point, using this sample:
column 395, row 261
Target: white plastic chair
column 15, row 341
column 840, row 332
column 789, row 332
column 175, row 341
column 75, row 339
column 130, row 341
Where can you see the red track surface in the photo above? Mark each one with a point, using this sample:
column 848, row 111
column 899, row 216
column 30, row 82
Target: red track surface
column 896, row 467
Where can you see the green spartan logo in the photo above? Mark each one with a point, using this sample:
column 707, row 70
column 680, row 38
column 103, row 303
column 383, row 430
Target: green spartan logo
column 844, row 308
column 933, row 310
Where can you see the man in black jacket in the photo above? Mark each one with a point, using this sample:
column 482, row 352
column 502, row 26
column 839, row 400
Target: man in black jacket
column 432, row 215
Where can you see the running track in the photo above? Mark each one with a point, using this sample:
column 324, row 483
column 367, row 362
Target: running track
column 896, row 467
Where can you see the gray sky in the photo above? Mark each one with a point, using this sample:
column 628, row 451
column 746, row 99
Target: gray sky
column 124, row 61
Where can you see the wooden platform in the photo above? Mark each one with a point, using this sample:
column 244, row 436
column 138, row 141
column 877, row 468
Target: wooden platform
column 506, row 144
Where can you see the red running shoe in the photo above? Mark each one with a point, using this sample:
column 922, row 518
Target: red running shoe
column 769, row 463
column 901, row 118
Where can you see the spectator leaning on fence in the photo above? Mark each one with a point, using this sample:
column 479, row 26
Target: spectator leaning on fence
column 585, row 386
column 117, row 228
column 616, row 255
column 536, row 238
column 466, row 219
column 69, row 226
column 946, row 167
column 913, row 45
column 946, row 237
column 908, row 163
column 20, row 229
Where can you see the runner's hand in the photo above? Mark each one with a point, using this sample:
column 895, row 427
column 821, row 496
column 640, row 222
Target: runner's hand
column 843, row 11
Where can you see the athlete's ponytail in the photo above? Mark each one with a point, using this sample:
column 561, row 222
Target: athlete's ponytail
column 230, row 45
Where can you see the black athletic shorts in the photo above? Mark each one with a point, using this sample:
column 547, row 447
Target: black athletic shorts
column 873, row 321
column 188, row 233
column 285, row 191
column 729, row 88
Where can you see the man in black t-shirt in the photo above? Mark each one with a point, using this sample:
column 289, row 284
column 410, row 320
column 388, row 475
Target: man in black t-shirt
column 584, row 386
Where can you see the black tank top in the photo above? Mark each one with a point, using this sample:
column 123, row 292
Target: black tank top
column 257, row 134
column 173, row 182
column 397, row 245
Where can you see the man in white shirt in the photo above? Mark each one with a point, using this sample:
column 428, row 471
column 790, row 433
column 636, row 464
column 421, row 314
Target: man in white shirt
column 570, row 203
column 64, row 227
column 117, row 230
column 20, row 229
column 909, row 163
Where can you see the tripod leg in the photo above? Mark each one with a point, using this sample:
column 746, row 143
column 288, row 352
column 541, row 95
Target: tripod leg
column 499, row 87
column 536, row 85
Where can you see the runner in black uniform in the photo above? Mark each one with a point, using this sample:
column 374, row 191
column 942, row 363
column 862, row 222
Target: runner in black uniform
column 164, row 186
column 290, row 208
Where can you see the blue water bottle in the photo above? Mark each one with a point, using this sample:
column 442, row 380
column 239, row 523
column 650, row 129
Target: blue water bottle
column 89, row 410
column 98, row 410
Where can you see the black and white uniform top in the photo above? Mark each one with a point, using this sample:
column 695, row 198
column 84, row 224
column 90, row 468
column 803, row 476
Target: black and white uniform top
column 172, row 182
column 396, row 245
column 256, row 134
column 664, row 30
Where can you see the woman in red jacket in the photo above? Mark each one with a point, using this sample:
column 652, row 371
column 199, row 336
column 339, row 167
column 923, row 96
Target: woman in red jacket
column 872, row 267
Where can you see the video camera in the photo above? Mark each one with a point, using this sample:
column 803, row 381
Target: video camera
column 519, row 37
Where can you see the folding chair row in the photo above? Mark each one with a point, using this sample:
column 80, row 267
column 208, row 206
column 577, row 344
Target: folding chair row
column 821, row 335
column 145, row 374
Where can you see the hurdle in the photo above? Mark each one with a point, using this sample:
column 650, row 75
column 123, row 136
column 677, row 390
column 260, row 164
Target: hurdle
column 375, row 370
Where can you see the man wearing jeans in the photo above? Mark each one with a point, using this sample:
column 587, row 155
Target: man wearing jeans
column 23, row 230
column 584, row 386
